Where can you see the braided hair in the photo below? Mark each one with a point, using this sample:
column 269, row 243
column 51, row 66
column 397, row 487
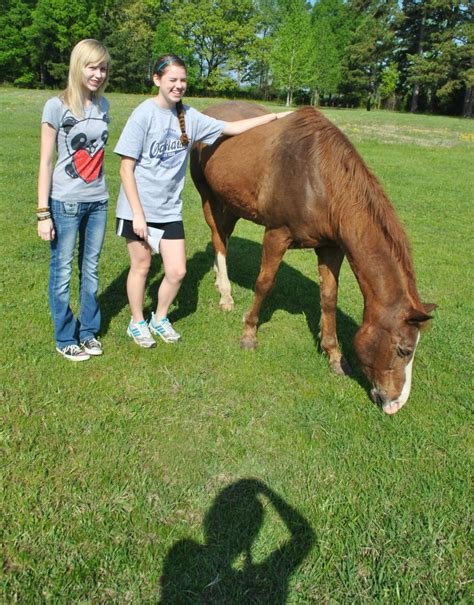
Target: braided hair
column 159, row 69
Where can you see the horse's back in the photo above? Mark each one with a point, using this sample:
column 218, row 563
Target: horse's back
column 264, row 174
column 234, row 163
column 230, row 111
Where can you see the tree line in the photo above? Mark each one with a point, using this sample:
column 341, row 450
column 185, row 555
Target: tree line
column 412, row 55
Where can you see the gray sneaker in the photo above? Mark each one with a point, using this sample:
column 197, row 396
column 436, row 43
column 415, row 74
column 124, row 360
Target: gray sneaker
column 164, row 329
column 141, row 334
column 73, row 353
column 92, row 346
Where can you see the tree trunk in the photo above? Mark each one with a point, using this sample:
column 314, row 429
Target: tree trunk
column 416, row 85
column 467, row 105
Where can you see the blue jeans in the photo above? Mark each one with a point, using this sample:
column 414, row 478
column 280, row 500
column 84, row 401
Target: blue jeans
column 88, row 219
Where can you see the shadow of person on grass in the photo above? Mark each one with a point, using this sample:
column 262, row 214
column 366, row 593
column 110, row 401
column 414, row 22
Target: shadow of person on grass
column 114, row 298
column 222, row 570
column 186, row 302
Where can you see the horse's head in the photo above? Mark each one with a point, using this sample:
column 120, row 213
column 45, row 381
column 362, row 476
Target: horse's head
column 386, row 349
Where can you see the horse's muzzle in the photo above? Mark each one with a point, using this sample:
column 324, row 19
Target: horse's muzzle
column 389, row 406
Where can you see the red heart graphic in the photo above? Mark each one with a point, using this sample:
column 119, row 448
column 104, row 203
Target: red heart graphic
column 87, row 166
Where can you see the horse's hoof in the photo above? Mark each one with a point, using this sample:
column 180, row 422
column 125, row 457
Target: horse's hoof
column 341, row 367
column 346, row 368
column 249, row 345
column 226, row 306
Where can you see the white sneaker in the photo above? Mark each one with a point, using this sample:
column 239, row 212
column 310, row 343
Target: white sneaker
column 73, row 353
column 141, row 334
column 92, row 346
column 164, row 329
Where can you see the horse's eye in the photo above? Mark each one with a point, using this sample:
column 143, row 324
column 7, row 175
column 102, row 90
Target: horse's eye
column 404, row 350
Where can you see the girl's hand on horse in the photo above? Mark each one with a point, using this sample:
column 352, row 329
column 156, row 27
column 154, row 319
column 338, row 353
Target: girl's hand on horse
column 283, row 114
column 140, row 227
column 239, row 126
column 46, row 230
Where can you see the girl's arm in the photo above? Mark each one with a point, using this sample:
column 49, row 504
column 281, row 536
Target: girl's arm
column 127, row 174
column 233, row 128
column 48, row 142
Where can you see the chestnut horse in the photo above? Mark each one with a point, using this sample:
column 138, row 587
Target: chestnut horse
column 304, row 181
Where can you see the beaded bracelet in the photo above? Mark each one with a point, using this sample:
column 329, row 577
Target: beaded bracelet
column 43, row 218
column 46, row 209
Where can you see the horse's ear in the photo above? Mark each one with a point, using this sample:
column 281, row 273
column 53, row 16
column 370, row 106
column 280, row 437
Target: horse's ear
column 428, row 307
column 415, row 316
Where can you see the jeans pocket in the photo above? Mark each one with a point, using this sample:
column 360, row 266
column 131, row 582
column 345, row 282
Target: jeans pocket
column 70, row 208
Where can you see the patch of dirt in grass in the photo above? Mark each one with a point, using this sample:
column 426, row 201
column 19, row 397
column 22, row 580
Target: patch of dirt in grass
column 391, row 133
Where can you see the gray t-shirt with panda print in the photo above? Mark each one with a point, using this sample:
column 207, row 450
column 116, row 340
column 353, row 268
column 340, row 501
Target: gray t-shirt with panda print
column 79, row 172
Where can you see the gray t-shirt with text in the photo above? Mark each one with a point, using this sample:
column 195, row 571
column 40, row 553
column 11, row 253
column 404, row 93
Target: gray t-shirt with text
column 79, row 172
column 152, row 137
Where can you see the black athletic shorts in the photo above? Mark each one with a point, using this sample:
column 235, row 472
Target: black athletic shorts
column 173, row 230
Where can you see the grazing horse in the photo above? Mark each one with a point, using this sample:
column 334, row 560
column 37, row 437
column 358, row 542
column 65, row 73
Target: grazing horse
column 304, row 181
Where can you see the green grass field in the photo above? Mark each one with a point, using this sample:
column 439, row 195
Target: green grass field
column 141, row 463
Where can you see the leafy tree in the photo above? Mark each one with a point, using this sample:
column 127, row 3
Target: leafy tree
column 436, row 53
column 389, row 84
column 15, row 18
column 130, row 34
column 326, row 72
column 371, row 47
column 291, row 61
column 338, row 18
column 218, row 33
column 332, row 27
column 417, row 51
column 57, row 25
column 258, row 65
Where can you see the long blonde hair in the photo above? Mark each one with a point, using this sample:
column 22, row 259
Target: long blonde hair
column 85, row 52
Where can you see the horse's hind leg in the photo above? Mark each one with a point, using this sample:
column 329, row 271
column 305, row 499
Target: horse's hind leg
column 221, row 223
column 329, row 264
column 275, row 244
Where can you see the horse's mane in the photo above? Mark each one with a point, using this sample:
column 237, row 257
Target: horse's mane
column 350, row 185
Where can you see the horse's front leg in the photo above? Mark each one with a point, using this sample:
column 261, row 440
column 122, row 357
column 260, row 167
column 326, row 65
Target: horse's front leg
column 221, row 224
column 329, row 264
column 275, row 244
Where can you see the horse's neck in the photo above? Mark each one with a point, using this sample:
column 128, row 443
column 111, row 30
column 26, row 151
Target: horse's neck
column 384, row 281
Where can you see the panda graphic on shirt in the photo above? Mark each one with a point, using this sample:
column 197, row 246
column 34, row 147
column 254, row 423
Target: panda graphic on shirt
column 85, row 146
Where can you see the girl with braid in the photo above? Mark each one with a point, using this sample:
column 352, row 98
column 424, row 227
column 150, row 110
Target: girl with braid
column 154, row 147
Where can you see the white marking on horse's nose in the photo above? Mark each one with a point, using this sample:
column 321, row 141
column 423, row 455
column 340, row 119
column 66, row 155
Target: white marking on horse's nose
column 391, row 407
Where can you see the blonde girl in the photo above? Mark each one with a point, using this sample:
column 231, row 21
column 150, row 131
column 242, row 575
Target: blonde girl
column 73, row 197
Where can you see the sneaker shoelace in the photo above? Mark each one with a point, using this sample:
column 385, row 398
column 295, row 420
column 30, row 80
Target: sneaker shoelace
column 72, row 350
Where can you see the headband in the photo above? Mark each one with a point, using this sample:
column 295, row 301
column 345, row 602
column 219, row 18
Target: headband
column 161, row 65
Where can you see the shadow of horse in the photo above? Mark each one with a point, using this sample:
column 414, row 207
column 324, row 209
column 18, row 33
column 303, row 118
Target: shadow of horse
column 223, row 570
column 294, row 293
